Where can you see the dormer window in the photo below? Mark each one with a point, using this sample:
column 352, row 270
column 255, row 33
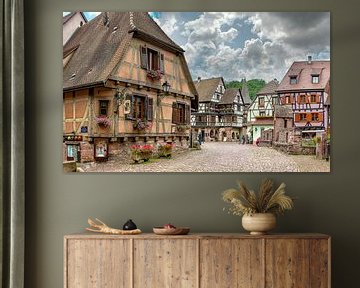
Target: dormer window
column 315, row 79
column 293, row 80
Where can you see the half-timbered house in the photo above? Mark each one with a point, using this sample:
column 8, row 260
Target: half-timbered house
column 206, row 119
column 260, row 116
column 124, row 82
column 305, row 88
column 231, row 114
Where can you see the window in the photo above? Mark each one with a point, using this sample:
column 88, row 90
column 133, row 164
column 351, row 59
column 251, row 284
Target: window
column 262, row 113
column 141, row 107
column 302, row 99
column 103, row 105
column 274, row 100
column 293, row 80
column 151, row 59
column 314, row 117
column 313, row 98
column 315, row 79
column 261, row 102
column 181, row 113
column 287, row 100
column 285, row 123
column 302, row 116
column 72, row 152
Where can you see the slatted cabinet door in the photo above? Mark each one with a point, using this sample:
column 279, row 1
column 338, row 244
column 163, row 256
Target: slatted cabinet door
column 287, row 263
column 231, row 263
column 165, row 263
column 297, row 263
column 98, row 263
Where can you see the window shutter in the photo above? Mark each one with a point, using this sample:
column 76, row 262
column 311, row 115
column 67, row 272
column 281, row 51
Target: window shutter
column 187, row 114
column 130, row 115
column 318, row 98
column 162, row 64
column 292, row 99
column 150, row 106
column 297, row 117
column 308, row 117
column 175, row 113
column 143, row 57
column 298, row 99
column 321, row 116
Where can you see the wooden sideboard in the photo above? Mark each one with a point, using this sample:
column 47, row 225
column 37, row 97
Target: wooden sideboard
column 197, row 261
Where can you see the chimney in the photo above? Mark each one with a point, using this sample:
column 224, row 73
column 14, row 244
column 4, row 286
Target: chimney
column 309, row 59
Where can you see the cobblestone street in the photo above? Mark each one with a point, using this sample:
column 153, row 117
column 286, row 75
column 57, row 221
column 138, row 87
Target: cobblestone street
column 220, row 157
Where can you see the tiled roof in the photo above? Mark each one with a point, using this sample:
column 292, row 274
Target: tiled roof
column 229, row 96
column 245, row 92
column 304, row 70
column 269, row 88
column 101, row 47
column 283, row 111
column 206, row 88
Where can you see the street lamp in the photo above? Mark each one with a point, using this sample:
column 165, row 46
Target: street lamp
column 166, row 88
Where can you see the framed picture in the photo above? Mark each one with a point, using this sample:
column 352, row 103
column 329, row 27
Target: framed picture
column 197, row 91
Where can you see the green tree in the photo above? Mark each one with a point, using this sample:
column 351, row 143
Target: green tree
column 254, row 85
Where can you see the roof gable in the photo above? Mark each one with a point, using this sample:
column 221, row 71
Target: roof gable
column 207, row 87
column 304, row 71
column 270, row 88
column 230, row 96
column 103, row 42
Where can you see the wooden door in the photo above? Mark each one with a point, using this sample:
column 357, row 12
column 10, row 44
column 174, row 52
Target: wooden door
column 98, row 263
column 231, row 263
column 165, row 263
column 297, row 263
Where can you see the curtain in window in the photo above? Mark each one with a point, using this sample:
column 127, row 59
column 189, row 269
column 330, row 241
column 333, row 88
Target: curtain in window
column 12, row 189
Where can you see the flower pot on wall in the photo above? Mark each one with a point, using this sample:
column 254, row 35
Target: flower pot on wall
column 259, row 223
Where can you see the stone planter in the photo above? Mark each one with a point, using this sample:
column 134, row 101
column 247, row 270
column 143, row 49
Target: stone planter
column 259, row 223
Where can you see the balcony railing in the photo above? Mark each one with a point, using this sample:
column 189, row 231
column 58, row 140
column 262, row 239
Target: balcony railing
column 217, row 124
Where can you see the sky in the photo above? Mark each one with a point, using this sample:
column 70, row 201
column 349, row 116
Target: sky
column 249, row 45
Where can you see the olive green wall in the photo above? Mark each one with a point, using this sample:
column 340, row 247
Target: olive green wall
column 59, row 204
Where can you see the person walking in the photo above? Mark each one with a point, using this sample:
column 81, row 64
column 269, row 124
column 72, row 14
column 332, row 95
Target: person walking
column 199, row 138
column 243, row 139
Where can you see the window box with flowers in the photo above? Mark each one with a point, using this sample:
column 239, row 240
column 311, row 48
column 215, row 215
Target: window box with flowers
column 154, row 74
column 141, row 152
column 165, row 150
column 182, row 128
column 103, row 121
column 142, row 125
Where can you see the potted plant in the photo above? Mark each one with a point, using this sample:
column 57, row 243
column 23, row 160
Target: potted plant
column 103, row 120
column 141, row 152
column 258, row 210
column 165, row 150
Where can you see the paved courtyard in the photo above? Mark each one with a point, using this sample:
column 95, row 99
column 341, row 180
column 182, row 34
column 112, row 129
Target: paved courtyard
column 220, row 157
